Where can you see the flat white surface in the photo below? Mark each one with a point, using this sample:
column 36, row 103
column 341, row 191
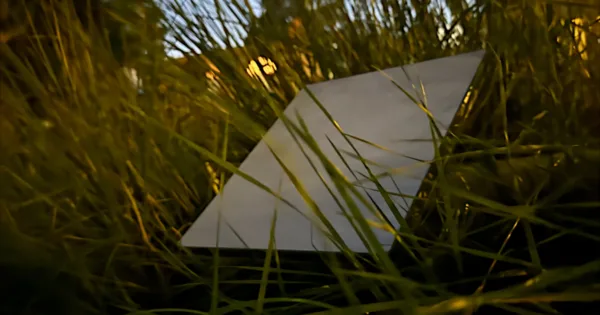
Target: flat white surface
column 368, row 106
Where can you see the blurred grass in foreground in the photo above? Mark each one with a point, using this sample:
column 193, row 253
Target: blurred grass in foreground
column 99, row 180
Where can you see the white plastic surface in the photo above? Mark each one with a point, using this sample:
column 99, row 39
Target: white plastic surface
column 368, row 106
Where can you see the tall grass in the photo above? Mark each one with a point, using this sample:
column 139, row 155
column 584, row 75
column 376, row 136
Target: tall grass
column 100, row 180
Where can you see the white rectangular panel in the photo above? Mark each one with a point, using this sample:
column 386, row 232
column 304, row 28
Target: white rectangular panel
column 368, row 106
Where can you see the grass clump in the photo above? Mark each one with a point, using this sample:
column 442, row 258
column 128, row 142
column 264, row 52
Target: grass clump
column 100, row 175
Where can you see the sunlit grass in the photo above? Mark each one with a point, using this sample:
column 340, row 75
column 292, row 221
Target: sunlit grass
column 99, row 181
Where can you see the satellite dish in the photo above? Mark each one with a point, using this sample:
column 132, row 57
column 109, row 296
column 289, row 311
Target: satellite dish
column 368, row 106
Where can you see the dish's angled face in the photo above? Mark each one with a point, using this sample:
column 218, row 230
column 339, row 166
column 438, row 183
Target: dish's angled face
column 367, row 106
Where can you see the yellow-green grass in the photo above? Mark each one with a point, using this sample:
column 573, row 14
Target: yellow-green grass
column 99, row 181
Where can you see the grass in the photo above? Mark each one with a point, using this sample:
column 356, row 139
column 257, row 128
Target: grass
column 100, row 181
